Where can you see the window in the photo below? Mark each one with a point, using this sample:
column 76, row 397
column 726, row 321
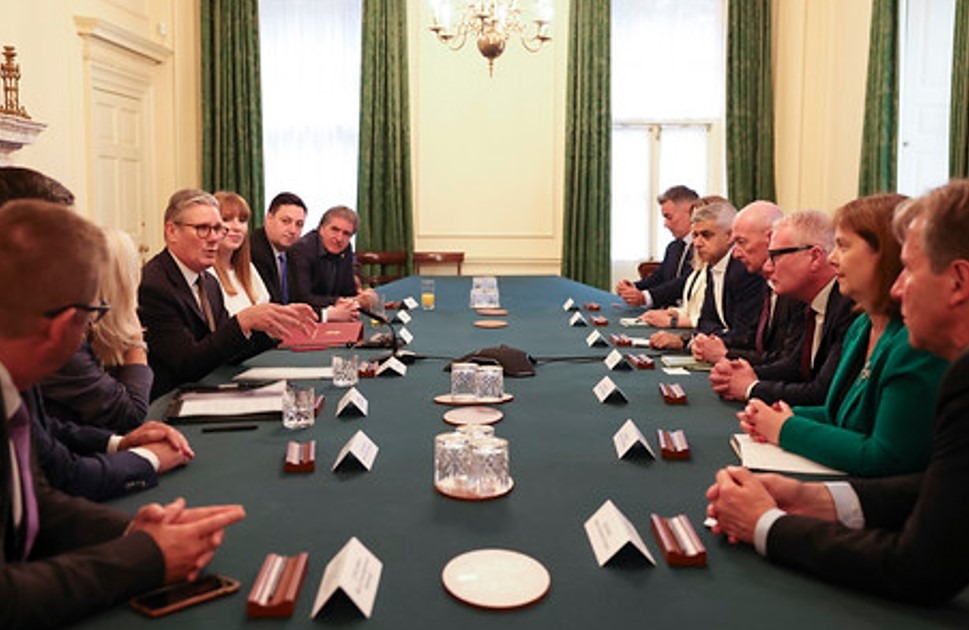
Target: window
column 668, row 110
column 925, row 83
column 310, row 63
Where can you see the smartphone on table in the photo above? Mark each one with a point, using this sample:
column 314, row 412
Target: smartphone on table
column 174, row 597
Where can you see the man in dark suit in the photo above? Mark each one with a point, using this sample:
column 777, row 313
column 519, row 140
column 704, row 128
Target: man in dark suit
column 900, row 537
column 188, row 330
column 734, row 297
column 325, row 268
column 781, row 318
column 271, row 243
column 798, row 268
column 664, row 286
column 63, row 557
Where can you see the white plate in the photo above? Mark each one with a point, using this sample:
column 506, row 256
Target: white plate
column 472, row 415
column 496, row 578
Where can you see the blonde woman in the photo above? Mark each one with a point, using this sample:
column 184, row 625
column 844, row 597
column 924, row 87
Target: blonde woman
column 107, row 381
column 242, row 286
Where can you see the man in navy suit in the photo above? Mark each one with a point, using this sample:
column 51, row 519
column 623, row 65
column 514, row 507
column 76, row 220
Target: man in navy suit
column 271, row 244
column 734, row 296
column 188, row 330
column 664, row 286
column 63, row 557
column 901, row 537
column 798, row 268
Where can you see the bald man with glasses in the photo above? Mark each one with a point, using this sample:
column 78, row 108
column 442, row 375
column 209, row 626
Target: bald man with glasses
column 188, row 330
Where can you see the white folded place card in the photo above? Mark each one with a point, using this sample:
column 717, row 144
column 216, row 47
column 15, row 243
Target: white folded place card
column 392, row 366
column 361, row 447
column 355, row 571
column 577, row 320
column 676, row 371
column 410, row 303
column 607, row 391
column 595, row 338
column 405, row 335
column 570, row 305
column 403, row 317
column 609, row 531
column 352, row 401
column 616, row 361
column 634, row 322
column 628, row 437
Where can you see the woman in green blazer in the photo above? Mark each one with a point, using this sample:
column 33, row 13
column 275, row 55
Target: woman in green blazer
column 870, row 424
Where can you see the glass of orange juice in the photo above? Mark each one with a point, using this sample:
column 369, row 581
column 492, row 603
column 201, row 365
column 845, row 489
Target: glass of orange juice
column 427, row 294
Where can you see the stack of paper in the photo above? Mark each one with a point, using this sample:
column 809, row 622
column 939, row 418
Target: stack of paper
column 762, row 456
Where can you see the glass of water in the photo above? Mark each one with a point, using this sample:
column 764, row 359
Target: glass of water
column 299, row 407
column 345, row 371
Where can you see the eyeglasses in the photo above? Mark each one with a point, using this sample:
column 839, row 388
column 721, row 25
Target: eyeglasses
column 774, row 254
column 204, row 229
column 96, row 311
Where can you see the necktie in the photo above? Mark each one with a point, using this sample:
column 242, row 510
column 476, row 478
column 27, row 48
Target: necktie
column 807, row 344
column 19, row 427
column 283, row 280
column 762, row 322
column 204, row 303
column 684, row 254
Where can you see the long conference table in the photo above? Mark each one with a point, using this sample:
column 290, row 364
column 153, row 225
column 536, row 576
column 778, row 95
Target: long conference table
column 564, row 465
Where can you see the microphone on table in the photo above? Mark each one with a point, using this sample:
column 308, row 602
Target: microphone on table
column 395, row 351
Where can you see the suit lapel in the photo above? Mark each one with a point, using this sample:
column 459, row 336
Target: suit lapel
column 181, row 289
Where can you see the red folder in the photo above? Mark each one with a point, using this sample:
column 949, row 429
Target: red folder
column 324, row 336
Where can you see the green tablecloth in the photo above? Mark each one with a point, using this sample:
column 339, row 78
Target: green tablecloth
column 564, row 466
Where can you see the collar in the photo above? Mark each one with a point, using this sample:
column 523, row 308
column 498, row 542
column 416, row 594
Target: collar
column 11, row 397
column 820, row 302
column 190, row 276
column 721, row 265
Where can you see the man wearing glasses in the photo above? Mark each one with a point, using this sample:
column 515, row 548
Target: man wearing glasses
column 188, row 330
column 797, row 266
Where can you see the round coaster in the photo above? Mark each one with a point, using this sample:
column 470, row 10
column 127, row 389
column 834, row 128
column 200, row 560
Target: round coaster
column 465, row 495
column 496, row 578
column 491, row 323
column 472, row 415
column 492, row 311
column 448, row 399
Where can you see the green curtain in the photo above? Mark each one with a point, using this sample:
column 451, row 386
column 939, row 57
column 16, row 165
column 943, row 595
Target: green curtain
column 384, row 177
column 959, row 112
column 231, row 101
column 585, row 248
column 879, row 142
column 750, row 102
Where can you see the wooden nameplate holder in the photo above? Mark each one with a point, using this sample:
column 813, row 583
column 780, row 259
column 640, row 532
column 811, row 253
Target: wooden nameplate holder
column 641, row 361
column 277, row 586
column 678, row 541
column 300, row 458
column 599, row 320
column 672, row 393
column 592, row 306
column 368, row 369
column 673, row 445
column 620, row 340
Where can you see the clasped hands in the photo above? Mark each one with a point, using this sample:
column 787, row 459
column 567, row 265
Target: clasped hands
column 167, row 443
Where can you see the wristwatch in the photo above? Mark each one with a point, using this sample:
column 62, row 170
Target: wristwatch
column 674, row 320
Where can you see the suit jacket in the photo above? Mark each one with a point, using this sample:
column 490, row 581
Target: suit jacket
column 80, row 563
column 782, row 379
column 743, row 300
column 84, row 392
column 665, row 285
column 265, row 263
column 74, row 460
column 181, row 348
column 913, row 545
column 781, row 335
column 322, row 277
column 866, row 426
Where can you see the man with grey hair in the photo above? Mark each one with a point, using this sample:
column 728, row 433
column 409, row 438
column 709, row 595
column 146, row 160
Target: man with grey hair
column 900, row 537
column 734, row 296
column 780, row 322
column 798, row 268
column 63, row 557
column 664, row 286
column 188, row 330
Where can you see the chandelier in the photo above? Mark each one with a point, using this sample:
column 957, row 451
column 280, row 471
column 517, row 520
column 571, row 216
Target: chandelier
column 491, row 23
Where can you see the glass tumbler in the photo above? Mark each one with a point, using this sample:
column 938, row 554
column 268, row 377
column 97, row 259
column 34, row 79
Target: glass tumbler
column 464, row 381
column 489, row 466
column 345, row 371
column 299, row 407
column 451, row 461
column 489, row 382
